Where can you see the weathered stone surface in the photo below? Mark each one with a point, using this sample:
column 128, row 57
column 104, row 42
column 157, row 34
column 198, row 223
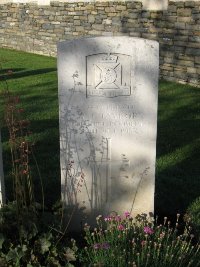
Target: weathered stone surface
column 91, row 18
column 172, row 8
column 191, row 70
column 184, row 19
column 110, row 9
column 77, row 22
column 192, row 51
column 197, row 59
column 185, row 12
column 107, row 34
column 98, row 27
column 121, row 8
column 108, row 115
column 155, row 4
column 180, row 25
column 189, row 4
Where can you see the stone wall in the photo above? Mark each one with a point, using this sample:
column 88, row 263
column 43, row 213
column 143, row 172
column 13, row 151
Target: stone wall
column 37, row 29
column 147, row 4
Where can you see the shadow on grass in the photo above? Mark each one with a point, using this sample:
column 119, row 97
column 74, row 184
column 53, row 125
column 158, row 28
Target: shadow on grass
column 4, row 72
column 40, row 102
column 46, row 151
column 19, row 73
column 178, row 143
column 178, row 148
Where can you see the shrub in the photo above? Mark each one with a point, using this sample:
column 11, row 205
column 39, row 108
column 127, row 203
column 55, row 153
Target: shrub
column 122, row 241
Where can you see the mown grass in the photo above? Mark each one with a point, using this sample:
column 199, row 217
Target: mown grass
column 34, row 79
column 178, row 141
column 178, row 147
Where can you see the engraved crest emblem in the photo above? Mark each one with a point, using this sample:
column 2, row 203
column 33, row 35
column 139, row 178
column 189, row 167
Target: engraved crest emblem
column 108, row 75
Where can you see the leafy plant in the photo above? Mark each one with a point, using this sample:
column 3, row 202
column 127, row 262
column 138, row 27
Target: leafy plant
column 121, row 241
column 36, row 244
column 193, row 215
column 20, row 149
column 40, row 251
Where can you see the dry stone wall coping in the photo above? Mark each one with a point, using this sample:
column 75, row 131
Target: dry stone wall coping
column 146, row 4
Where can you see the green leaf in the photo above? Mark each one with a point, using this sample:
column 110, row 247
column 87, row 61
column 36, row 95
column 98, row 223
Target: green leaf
column 2, row 239
column 15, row 254
column 44, row 245
column 53, row 262
column 24, row 248
column 29, row 265
column 69, row 254
column 69, row 265
column 20, row 251
column 12, row 255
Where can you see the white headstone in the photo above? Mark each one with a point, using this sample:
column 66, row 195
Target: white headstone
column 2, row 185
column 108, row 90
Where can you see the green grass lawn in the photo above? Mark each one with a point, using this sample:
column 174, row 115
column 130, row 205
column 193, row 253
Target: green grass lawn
column 178, row 141
column 35, row 81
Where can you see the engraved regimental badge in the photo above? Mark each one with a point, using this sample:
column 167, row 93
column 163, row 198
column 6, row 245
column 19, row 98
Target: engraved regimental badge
column 108, row 75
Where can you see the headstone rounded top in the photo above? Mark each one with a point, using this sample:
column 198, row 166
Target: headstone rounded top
column 123, row 39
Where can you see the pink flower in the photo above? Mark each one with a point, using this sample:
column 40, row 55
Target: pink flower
column 108, row 219
column 121, row 227
column 127, row 214
column 105, row 245
column 148, row 230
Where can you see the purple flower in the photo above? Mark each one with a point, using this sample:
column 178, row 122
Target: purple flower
column 105, row 245
column 148, row 230
column 97, row 246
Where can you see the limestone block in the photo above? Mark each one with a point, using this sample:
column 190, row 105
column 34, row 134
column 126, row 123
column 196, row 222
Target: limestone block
column 154, row 4
column 185, row 12
column 180, row 25
column 77, row 22
column 110, row 9
column 191, row 70
column 121, row 8
column 91, row 18
column 99, row 27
